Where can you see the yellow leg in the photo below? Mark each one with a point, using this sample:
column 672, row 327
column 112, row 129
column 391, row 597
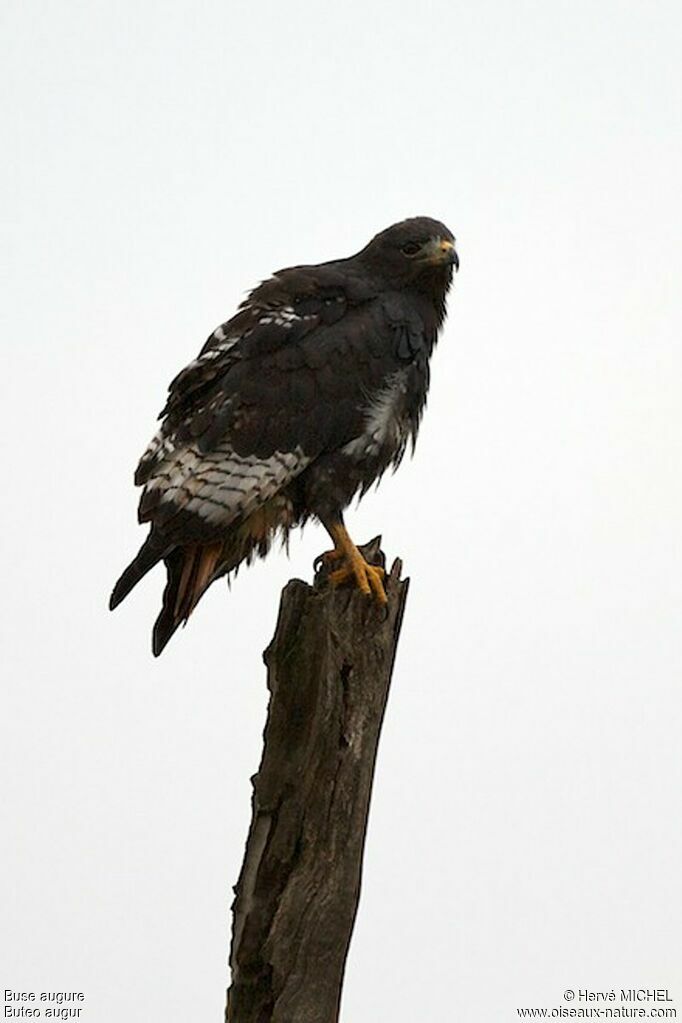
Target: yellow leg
column 368, row 578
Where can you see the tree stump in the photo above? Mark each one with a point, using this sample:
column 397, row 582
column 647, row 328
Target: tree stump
column 329, row 670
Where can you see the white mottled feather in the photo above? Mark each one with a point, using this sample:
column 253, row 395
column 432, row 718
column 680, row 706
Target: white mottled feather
column 282, row 316
column 220, row 485
column 384, row 425
column 161, row 444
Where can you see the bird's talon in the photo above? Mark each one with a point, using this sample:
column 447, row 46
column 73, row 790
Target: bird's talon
column 328, row 557
column 368, row 578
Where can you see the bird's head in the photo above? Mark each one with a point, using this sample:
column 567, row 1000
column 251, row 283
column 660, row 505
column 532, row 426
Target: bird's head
column 419, row 252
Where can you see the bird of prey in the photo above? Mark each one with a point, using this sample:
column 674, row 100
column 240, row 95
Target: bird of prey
column 298, row 403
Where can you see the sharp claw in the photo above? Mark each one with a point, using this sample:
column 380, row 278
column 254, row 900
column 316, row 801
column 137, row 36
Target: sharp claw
column 354, row 566
column 368, row 578
column 376, row 579
column 326, row 558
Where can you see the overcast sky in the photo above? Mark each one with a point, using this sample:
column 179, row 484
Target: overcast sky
column 159, row 160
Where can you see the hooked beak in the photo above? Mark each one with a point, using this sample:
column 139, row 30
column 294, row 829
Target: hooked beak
column 440, row 250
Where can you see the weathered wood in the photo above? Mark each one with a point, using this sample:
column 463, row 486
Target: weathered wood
column 329, row 671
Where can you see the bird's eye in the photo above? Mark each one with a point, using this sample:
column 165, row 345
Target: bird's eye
column 410, row 248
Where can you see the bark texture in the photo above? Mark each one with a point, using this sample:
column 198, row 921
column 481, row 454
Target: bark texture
column 329, row 670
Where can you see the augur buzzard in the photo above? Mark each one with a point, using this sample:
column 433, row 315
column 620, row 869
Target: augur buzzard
column 300, row 401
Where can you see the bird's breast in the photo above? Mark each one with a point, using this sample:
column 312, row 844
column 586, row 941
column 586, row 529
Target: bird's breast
column 386, row 421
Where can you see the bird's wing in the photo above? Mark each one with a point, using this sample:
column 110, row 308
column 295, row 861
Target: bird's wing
column 281, row 383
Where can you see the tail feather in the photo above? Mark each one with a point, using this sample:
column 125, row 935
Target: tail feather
column 168, row 620
column 149, row 554
column 191, row 570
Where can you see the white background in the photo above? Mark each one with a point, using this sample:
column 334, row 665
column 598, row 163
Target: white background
column 159, row 160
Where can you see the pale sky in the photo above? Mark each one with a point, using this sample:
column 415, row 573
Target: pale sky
column 159, row 160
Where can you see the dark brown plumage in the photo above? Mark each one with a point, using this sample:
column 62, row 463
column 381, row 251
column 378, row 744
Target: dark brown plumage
column 293, row 406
